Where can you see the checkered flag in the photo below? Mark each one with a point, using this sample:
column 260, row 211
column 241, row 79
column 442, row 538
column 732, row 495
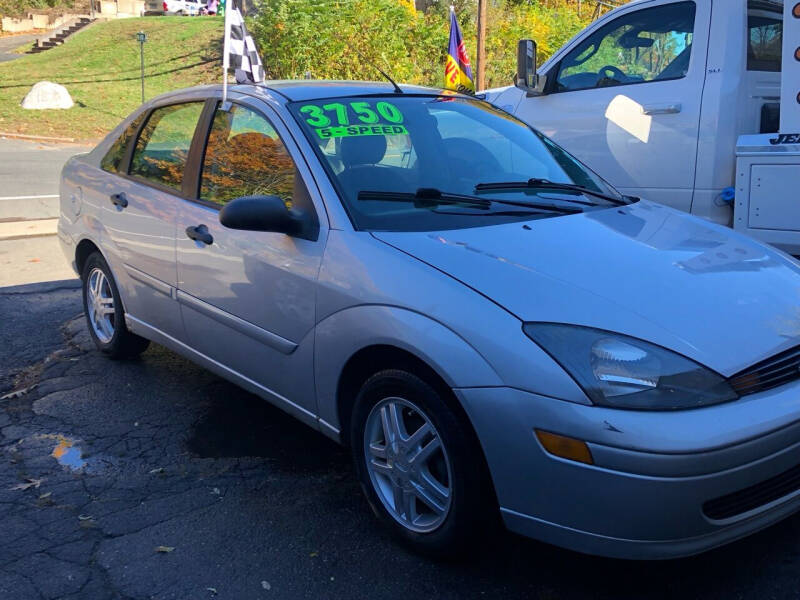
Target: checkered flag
column 241, row 53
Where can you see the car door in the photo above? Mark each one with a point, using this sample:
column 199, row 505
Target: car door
column 626, row 99
column 248, row 297
column 140, row 206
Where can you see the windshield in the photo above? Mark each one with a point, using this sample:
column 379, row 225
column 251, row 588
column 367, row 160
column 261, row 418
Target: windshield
column 452, row 145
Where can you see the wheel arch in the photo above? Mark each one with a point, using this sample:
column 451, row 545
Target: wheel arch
column 370, row 360
column 83, row 250
column 355, row 343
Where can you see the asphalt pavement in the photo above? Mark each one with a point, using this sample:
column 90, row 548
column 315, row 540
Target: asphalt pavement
column 12, row 42
column 29, row 180
column 154, row 479
column 29, row 174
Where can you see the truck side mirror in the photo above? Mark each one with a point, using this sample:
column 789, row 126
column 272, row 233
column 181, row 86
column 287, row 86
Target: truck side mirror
column 526, row 77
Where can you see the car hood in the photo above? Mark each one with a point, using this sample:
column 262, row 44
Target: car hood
column 644, row 270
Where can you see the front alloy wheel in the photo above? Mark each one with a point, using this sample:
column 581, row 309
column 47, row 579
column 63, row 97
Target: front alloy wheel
column 420, row 464
column 408, row 464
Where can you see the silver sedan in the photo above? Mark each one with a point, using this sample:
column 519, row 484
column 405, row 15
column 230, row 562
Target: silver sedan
column 491, row 327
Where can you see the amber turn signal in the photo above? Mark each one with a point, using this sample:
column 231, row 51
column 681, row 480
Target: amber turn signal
column 565, row 447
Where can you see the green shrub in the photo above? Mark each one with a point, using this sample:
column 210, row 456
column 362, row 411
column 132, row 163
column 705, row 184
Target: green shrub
column 337, row 39
column 19, row 8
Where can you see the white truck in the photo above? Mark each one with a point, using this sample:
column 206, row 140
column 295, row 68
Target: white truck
column 662, row 97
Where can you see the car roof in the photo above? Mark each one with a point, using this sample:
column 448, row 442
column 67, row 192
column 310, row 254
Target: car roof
column 303, row 90
column 306, row 90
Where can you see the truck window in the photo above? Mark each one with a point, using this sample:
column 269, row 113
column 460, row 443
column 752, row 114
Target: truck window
column 765, row 36
column 653, row 44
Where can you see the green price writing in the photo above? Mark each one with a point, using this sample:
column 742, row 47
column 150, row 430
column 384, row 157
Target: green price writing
column 363, row 112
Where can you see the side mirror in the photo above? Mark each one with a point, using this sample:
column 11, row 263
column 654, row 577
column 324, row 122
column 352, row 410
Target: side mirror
column 268, row 213
column 526, row 77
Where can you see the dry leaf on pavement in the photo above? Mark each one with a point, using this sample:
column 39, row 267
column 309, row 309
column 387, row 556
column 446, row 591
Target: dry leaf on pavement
column 31, row 483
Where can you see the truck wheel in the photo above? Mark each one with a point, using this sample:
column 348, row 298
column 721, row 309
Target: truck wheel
column 104, row 313
column 416, row 463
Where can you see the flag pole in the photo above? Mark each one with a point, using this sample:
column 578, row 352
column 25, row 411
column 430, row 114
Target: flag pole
column 226, row 52
column 480, row 82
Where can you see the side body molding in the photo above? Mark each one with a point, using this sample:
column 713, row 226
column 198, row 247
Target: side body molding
column 342, row 334
column 259, row 334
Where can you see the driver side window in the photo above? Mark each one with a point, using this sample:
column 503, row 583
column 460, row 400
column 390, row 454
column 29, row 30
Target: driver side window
column 653, row 44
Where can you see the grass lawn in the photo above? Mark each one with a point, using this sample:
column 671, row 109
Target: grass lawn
column 100, row 67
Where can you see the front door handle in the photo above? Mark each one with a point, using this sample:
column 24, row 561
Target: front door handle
column 120, row 200
column 662, row 109
column 200, row 233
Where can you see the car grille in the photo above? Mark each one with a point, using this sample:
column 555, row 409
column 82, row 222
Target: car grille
column 757, row 495
column 771, row 373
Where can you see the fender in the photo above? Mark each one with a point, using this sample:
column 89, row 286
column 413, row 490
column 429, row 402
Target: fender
column 82, row 219
column 339, row 336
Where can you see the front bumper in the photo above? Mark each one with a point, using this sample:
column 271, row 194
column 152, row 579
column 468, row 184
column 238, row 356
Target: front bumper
column 653, row 472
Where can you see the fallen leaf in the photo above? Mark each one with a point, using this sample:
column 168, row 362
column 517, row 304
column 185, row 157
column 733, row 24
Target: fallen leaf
column 45, row 495
column 266, row 585
column 164, row 549
column 17, row 393
column 35, row 260
column 85, row 517
column 313, row 554
column 212, row 590
column 32, row 483
column 215, row 491
column 158, row 470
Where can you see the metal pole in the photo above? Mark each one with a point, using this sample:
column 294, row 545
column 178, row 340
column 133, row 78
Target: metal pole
column 226, row 56
column 480, row 84
column 142, row 38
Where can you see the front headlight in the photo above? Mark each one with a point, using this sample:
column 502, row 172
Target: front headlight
column 622, row 372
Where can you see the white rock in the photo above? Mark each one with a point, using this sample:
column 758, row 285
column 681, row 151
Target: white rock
column 47, row 95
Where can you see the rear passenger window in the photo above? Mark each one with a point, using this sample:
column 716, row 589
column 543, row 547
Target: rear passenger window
column 163, row 146
column 112, row 161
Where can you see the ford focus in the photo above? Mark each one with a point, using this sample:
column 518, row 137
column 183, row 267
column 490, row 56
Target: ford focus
column 494, row 330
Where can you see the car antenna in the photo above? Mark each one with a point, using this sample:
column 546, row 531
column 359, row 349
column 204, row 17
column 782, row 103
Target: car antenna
column 397, row 88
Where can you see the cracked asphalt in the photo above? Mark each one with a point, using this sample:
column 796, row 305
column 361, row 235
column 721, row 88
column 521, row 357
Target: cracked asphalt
column 156, row 479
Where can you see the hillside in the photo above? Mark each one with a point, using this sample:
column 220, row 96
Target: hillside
column 100, row 68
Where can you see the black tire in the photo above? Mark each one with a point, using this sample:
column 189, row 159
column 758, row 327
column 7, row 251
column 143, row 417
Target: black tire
column 472, row 513
column 123, row 343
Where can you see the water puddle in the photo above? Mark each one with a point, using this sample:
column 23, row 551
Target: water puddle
column 68, row 454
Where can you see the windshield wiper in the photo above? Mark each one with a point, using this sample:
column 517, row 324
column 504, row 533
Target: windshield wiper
column 546, row 184
column 431, row 197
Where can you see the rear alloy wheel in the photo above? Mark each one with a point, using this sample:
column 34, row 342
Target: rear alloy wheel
column 419, row 465
column 100, row 305
column 104, row 313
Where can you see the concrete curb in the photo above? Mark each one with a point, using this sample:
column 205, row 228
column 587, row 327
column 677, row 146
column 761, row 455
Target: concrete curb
column 35, row 138
column 41, row 288
column 17, row 230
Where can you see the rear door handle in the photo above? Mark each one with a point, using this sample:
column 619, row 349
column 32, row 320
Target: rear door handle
column 200, row 233
column 662, row 109
column 120, row 200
